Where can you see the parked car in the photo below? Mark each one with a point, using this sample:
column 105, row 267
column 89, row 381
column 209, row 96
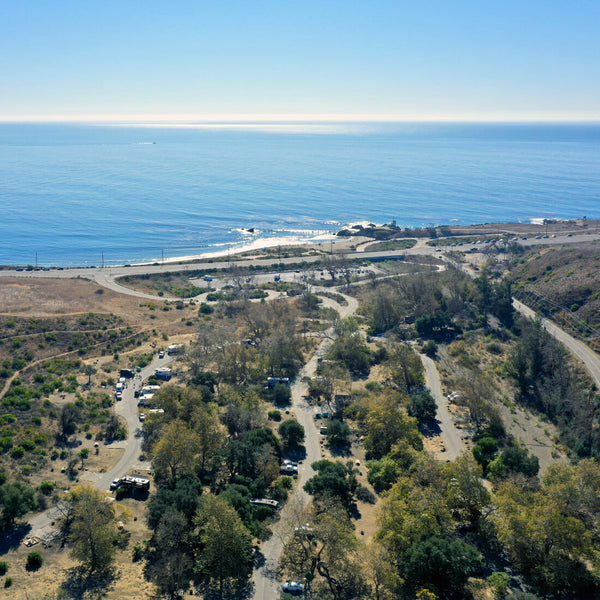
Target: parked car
column 293, row 587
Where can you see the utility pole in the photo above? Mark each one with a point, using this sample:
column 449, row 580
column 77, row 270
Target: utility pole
column 162, row 253
column 103, row 259
column 36, row 259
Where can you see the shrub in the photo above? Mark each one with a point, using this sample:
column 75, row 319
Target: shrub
column 138, row 553
column 34, row 561
column 274, row 415
column 18, row 452
column 3, row 567
column 46, row 487
column 364, row 494
column 8, row 582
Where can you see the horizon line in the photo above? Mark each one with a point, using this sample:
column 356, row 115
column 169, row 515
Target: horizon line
column 216, row 119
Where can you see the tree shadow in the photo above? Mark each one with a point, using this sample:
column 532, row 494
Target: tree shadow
column 80, row 584
column 298, row 453
column 341, row 451
column 430, row 429
column 232, row 590
column 12, row 539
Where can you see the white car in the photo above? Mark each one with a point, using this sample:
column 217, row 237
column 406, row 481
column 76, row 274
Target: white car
column 293, row 587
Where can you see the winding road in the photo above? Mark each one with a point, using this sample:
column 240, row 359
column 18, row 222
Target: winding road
column 41, row 524
column 265, row 580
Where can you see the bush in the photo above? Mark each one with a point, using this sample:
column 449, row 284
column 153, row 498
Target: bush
column 3, row 567
column 138, row 553
column 46, row 487
column 34, row 561
column 8, row 582
column 274, row 415
column 364, row 494
column 430, row 348
column 423, row 408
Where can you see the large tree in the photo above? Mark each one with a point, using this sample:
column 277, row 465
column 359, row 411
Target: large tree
column 93, row 529
column 16, row 499
column 226, row 544
column 175, row 453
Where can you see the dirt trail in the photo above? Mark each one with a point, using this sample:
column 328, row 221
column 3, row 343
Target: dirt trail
column 453, row 442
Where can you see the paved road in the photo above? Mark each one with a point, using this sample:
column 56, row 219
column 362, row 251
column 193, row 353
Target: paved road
column 265, row 582
column 453, row 442
column 106, row 276
column 127, row 408
column 589, row 358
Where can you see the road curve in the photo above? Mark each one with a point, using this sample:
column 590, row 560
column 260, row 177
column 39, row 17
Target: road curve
column 265, row 581
column 126, row 408
column 589, row 358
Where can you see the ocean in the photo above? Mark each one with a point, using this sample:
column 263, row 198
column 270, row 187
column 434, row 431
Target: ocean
column 74, row 194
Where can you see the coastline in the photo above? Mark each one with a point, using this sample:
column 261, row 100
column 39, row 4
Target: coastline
column 332, row 242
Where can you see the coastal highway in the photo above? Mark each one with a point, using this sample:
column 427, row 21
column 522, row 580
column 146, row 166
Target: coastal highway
column 106, row 276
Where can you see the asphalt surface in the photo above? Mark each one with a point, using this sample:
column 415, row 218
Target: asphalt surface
column 126, row 408
column 584, row 353
column 266, row 584
column 453, row 442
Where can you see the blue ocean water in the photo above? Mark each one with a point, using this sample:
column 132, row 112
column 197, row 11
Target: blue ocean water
column 77, row 194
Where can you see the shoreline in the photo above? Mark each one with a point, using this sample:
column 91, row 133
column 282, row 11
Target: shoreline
column 345, row 243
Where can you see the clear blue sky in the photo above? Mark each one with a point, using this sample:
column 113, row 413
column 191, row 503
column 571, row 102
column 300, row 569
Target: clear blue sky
column 220, row 59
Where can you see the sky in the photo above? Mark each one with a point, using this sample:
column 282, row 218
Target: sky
column 223, row 60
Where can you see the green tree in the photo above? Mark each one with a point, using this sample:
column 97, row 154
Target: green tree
column 338, row 433
column 423, row 408
column 514, row 459
column 175, row 453
column 331, row 481
column 70, row 415
column 93, row 530
column 387, row 424
column 16, row 499
column 170, row 555
column 34, row 561
column 440, row 563
column 89, row 370
column 383, row 473
column 292, row 433
column 485, row 450
column 83, row 455
column 545, row 538
column 226, row 545
column 467, row 498
column 352, row 352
